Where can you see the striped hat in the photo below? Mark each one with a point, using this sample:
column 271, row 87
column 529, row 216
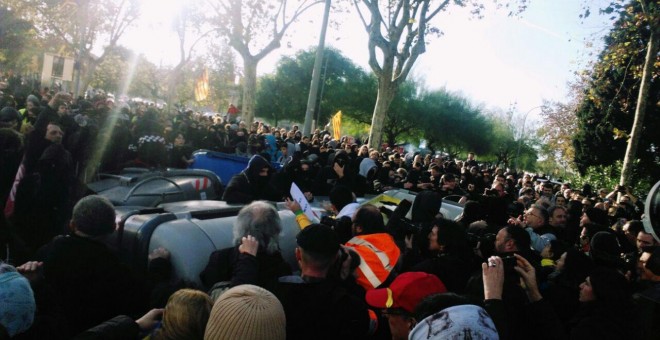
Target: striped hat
column 247, row 312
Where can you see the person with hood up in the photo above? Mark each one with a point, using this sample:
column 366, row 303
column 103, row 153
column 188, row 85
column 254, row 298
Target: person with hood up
column 252, row 184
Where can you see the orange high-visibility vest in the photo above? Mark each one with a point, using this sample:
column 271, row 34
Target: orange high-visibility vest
column 378, row 256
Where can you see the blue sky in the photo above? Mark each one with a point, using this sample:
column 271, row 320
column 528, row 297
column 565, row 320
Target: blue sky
column 494, row 61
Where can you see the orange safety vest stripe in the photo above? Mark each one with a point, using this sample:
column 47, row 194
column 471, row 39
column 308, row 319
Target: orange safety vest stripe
column 378, row 254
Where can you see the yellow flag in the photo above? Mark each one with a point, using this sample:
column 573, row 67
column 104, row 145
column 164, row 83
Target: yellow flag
column 336, row 125
column 202, row 86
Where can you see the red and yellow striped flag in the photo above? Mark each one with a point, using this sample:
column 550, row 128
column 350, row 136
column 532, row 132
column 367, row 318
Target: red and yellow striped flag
column 202, row 86
column 336, row 125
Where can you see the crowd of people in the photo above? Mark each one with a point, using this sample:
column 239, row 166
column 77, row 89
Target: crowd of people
column 527, row 259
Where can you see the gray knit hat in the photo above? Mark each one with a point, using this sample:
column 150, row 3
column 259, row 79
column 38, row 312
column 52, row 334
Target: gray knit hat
column 247, row 312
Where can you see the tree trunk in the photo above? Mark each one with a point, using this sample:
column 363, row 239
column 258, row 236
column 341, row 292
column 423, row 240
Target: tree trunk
column 87, row 76
column 640, row 111
column 386, row 92
column 249, row 89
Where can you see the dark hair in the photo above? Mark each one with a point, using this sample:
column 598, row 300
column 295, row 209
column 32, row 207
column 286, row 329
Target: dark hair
column 318, row 260
column 557, row 248
column 448, row 177
column 519, row 236
column 635, row 226
column 437, row 302
column 370, row 219
column 472, row 211
column 577, row 266
column 341, row 196
column 610, row 287
column 426, row 206
column 453, row 237
column 653, row 263
column 592, row 229
column 551, row 210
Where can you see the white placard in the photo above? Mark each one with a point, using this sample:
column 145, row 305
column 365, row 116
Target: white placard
column 299, row 197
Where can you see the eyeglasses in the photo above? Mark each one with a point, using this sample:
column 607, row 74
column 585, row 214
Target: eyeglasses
column 532, row 214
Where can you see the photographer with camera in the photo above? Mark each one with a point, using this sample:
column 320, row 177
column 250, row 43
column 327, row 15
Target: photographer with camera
column 509, row 242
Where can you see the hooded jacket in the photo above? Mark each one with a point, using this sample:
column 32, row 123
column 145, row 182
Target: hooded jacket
column 248, row 186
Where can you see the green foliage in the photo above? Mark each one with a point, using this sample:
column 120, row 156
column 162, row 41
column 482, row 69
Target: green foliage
column 346, row 87
column 606, row 113
column 122, row 70
column 16, row 39
column 450, row 122
column 222, row 72
column 607, row 176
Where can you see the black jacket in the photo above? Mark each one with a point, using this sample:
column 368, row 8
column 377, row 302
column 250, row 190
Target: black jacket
column 228, row 265
column 84, row 285
column 248, row 186
column 321, row 309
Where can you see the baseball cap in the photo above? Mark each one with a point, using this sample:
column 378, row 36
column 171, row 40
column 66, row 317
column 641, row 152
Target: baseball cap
column 406, row 291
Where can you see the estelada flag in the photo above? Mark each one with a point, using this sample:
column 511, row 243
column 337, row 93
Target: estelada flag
column 202, row 86
column 336, row 125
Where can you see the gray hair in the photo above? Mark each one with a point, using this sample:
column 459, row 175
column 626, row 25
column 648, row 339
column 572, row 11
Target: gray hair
column 94, row 215
column 261, row 220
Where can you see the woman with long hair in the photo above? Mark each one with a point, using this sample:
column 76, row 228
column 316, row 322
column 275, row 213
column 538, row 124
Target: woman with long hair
column 185, row 316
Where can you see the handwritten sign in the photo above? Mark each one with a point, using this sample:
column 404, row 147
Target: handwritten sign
column 299, row 197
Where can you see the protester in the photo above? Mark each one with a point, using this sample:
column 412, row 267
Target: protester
column 356, row 257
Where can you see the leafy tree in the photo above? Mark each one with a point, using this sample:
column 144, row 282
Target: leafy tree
column 558, row 125
column 222, row 74
column 402, row 119
column 613, row 97
column 451, row 123
column 254, row 28
column 16, row 37
column 346, row 87
column 398, row 32
column 80, row 26
column 124, row 72
column 146, row 80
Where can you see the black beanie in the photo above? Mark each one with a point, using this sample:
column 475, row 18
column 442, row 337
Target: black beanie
column 605, row 250
column 318, row 238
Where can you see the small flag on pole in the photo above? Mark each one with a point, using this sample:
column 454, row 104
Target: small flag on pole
column 202, row 86
column 336, row 125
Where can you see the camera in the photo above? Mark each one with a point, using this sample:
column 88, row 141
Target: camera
column 509, row 262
